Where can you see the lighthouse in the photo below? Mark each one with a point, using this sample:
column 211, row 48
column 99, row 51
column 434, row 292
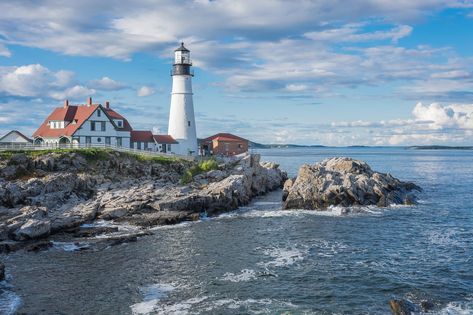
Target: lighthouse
column 181, row 115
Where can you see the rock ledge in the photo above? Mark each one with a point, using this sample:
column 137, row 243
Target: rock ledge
column 345, row 182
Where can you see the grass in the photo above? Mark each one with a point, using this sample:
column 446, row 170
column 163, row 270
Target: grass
column 91, row 154
column 201, row 167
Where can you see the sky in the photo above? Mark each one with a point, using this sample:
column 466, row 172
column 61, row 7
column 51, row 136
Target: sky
column 328, row 72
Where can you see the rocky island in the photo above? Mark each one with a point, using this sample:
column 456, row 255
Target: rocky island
column 60, row 192
column 345, row 182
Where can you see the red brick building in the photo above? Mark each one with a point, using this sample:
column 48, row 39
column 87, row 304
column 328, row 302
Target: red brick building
column 225, row 144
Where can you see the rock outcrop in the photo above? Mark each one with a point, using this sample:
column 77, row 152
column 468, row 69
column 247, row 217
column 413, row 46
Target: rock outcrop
column 56, row 192
column 344, row 182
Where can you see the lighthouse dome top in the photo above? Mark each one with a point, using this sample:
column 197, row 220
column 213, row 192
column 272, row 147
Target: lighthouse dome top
column 182, row 48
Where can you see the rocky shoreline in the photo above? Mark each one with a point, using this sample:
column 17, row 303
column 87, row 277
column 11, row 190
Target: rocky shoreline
column 59, row 193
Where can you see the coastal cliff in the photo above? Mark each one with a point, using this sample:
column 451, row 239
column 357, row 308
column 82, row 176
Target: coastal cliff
column 44, row 193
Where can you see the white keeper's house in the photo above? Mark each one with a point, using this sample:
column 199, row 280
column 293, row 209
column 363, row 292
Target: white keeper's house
column 94, row 124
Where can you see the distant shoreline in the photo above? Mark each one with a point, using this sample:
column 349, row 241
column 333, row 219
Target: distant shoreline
column 254, row 145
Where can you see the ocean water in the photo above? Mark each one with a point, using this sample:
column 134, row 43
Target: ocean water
column 263, row 260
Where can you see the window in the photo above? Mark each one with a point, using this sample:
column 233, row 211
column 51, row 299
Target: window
column 92, row 125
column 131, row 144
column 103, row 125
column 119, row 123
column 240, row 146
column 138, row 145
column 145, row 145
column 119, row 141
column 169, row 147
column 88, row 140
column 99, row 139
column 188, row 123
column 107, row 140
column 99, row 113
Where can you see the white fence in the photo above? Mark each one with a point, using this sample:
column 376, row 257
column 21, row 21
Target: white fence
column 32, row 147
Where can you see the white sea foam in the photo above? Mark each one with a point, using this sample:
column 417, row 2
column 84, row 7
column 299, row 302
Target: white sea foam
column 283, row 257
column 250, row 305
column 179, row 308
column 443, row 238
column 9, row 300
column 458, row 308
column 328, row 249
column 151, row 296
column 332, row 211
column 244, row 275
column 70, row 246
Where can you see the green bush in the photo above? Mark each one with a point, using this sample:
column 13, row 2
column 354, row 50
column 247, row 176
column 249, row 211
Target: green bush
column 208, row 165
column 186, row 177
column 201, row 167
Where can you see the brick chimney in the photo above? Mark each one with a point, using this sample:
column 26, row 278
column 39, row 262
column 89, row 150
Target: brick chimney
column 107, row 104
column 66, row 103
column 89, row 101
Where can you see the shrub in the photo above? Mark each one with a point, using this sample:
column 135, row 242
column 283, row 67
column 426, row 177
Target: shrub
column 208, row 165
column 186, row 177
column 201, row 167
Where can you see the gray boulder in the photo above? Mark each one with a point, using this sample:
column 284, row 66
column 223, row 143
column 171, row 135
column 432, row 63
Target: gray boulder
column 345, row 182
column 33, row 229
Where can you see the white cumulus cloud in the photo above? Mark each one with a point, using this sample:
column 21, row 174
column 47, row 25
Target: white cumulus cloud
column 37, row 81
column 145, row 91
column 107, row 84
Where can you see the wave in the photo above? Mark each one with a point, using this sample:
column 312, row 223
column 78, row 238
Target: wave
column 151, row 296
column 70, row 246
column 10, row 302
column 458, row 308
column 283, row 256
column 244, row 275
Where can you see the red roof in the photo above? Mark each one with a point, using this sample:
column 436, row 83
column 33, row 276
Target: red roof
column 114, row 115
column 75, row 115
column 224, row 137
column 164, row 139
column 141, row 136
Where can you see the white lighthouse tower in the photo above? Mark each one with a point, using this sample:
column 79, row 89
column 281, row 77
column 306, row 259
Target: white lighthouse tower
column 181, row 116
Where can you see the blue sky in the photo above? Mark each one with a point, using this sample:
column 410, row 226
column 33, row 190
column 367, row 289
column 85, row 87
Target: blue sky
column 364, row 72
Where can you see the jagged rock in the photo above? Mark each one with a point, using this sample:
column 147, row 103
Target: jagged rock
column 19, row 159
column 32, row 229
column 39, row 246
column 94, row 231
column 345, row 182
column 402, row 307
column 73, row 189
column 9, row 246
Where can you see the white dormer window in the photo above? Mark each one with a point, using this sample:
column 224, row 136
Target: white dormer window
column 119, row 123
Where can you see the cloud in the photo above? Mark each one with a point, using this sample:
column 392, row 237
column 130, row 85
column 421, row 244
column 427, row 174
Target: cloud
column 445, row 116
column 268, row 45
column 352, row 33
column 107, row 84
column 4, row 52
column 37, row 81
column 145, row 91
column 77, row 92
column 154, row 25
column 27, row 81
column 430, row 124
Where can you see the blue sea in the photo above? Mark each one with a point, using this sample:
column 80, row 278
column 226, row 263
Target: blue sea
column 263, row 260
